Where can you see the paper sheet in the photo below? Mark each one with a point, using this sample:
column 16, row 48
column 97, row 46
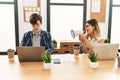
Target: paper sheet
column 65, row 58
column 96, row 6
column 32, row 3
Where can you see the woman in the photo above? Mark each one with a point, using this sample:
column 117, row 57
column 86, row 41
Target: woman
column 91, row 37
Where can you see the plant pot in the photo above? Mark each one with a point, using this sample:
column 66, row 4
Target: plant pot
column 94, row 64
column 55, row 45
column 47, row 65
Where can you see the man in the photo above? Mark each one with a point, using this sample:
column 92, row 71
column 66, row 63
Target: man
column 37, row 37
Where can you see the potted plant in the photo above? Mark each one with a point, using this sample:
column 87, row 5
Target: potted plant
column 46, row 57
column 93, row 60
column 106, row 41
column 54, row 43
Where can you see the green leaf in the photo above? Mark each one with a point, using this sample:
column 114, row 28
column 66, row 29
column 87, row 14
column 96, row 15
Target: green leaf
column 54, row 41
column 46, row 57
column 106, row 41
column 93, row 57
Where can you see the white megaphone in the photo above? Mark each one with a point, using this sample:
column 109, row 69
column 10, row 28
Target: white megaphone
column 76, row 33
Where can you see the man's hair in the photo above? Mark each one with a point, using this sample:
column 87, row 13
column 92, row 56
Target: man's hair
column 34, row 18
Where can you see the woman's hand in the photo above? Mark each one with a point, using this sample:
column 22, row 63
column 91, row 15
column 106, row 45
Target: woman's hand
column 87, row 46
column 82, row 38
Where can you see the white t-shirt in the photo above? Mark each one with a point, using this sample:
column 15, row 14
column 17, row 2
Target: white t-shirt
column 93, row 41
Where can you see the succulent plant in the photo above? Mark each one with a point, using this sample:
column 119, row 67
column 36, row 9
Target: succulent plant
column 46, row 57
column 93, row 57
column 54, row 41
column 106, row 41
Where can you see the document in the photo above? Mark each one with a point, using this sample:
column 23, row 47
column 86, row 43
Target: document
column 64, row 58
column 96, row 6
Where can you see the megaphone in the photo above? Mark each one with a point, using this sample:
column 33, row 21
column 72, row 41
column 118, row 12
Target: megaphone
column 76, row 33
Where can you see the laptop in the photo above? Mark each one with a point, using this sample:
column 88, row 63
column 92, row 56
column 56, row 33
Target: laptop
column 106, row 51
column 30, row 54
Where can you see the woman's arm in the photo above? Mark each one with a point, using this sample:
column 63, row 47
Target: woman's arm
column 101, row 41
column 87, row 46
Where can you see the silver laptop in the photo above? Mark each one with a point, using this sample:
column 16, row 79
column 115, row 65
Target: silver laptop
column 30, row 54
column 106, row 51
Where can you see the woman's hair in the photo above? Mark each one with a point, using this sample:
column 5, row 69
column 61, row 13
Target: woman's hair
column 96, row 31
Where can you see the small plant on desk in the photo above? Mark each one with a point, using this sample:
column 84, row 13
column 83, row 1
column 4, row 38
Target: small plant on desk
column 54, row 43
column 106, row 41
column 46, row 57
column 93, row 60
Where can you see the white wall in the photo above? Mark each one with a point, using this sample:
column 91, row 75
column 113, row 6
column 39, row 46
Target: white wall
column 23, row 26
column 103, row 26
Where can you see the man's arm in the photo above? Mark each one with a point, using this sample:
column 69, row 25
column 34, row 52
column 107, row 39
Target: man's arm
column 49, row 46
column 23, row 42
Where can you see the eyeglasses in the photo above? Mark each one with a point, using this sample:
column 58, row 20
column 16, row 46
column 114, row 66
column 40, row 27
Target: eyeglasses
column 87, row 25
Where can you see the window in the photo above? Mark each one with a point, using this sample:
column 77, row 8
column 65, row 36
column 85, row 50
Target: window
column 116, row 2
column 6, row 0
column 65, row 16
column 115, row 30
column 66, row 1
column 114, row 22
column 7, row 26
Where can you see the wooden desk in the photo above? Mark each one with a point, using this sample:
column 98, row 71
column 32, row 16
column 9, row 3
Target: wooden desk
column 73, row 70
